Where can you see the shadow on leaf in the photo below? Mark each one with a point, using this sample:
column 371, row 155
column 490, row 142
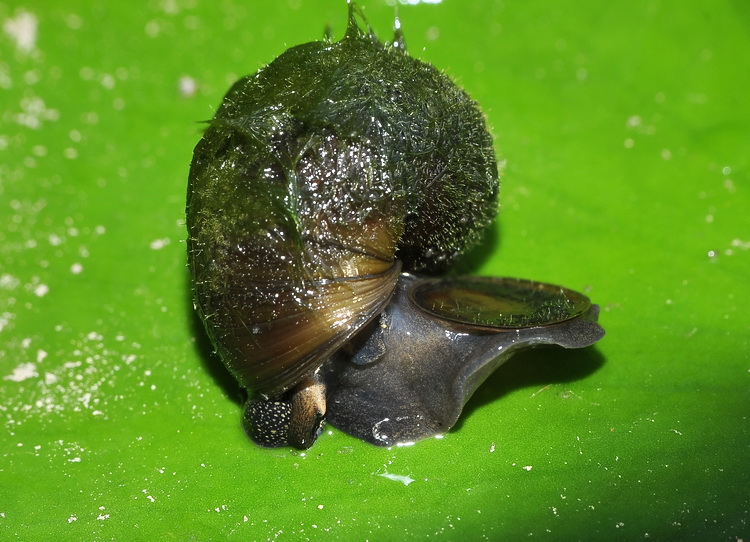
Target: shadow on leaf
column 533, row 369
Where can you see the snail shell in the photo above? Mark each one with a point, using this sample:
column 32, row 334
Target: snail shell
column 318, row 180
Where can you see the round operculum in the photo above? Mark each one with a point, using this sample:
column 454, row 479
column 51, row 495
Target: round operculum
column 496, row 304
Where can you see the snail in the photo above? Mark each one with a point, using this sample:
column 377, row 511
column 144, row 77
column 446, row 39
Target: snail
column 325, row 189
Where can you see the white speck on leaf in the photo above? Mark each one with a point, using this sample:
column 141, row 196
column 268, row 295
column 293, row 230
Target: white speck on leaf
column 406, row 480
column 34, row 111
column 41, row 290
column 8, row 282
column 22, row 29
column 5, row 319
column 22, row 372
column 188, row 86
column 158, row 244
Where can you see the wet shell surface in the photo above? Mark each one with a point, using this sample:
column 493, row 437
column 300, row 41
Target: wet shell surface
column 318, row 179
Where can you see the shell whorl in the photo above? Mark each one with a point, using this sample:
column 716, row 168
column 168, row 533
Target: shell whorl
column 317, row 176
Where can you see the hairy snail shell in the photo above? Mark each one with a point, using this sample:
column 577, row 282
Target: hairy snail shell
column 319, row 180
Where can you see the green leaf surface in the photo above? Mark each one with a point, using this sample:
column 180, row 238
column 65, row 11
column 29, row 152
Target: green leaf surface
column 625, row 127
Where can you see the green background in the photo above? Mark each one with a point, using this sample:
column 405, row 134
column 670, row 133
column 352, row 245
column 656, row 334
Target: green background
column 626, row 130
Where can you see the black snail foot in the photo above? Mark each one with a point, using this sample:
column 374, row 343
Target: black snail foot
column 410, row 377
